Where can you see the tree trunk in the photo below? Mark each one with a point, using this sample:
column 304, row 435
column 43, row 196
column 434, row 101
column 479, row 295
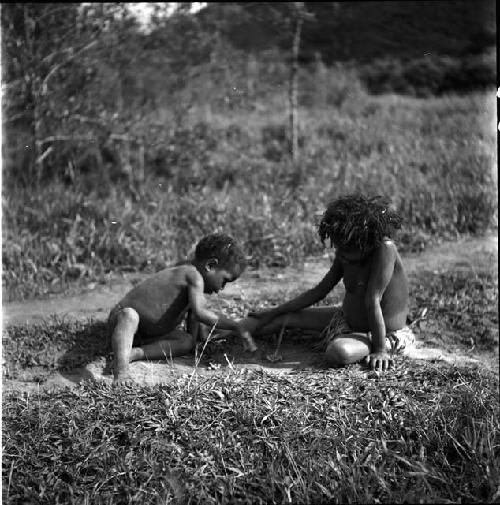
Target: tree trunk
column 292, row 92
column 36, row 162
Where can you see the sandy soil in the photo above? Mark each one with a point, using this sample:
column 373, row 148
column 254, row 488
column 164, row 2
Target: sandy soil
column 96, row 301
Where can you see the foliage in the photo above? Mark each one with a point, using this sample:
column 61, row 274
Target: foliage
column 430, row 75
column 460, row 304
column 432, row 159
column 422, row 434
column 462, row 308
column 84, row 85
column 122, row 147
column 55, row 344
column 365, row 31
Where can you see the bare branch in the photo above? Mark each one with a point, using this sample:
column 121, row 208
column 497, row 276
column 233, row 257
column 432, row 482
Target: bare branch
column 59, row 65
column 64, row 138
column 44, row 155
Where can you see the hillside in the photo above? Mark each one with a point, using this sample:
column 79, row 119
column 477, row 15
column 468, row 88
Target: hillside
column 363, row 31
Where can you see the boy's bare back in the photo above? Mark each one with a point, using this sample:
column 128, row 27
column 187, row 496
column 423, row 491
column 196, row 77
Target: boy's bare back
column 162, row 300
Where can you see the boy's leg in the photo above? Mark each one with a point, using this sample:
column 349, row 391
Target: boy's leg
column 124, row 323
column 176, row 343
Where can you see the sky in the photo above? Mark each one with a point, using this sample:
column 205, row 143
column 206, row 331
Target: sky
column 143, row 10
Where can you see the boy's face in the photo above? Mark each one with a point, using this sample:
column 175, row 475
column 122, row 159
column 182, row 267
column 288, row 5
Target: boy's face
column 216, row 277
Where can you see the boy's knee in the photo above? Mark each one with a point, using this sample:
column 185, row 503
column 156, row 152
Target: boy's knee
column 129, row 315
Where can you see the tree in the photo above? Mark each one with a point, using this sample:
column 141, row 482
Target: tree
column 287, row 20
column 68, row 69
column 39, row 41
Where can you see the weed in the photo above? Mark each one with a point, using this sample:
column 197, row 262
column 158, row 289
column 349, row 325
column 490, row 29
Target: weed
column 424, row 433
column 433, row 158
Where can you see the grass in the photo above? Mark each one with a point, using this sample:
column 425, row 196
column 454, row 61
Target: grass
column 462, row 308
column 432, row 157
column 423, row 434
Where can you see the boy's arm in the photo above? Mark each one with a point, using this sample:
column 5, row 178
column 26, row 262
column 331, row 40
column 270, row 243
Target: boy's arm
column 198, row 309
column 306, row 299
column 382, row 270
column 192, row 324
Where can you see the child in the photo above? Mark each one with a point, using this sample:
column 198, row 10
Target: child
column 144, row 324
column 371, row 322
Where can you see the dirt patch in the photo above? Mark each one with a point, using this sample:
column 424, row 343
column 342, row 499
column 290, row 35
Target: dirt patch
column 97, row 300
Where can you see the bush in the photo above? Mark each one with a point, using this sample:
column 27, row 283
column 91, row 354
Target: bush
column 431, row 158
column 430, row 75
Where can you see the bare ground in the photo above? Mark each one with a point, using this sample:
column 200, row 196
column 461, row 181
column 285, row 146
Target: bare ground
column 96, row 301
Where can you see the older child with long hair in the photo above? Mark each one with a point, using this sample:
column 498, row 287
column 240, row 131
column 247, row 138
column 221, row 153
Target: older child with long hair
column 371, row 323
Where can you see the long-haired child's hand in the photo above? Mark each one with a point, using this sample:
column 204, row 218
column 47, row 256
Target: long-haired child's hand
column 379, row 361
column 262, row 316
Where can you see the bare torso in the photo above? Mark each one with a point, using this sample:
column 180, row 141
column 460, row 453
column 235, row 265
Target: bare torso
column 394, row 301
column 161, row 300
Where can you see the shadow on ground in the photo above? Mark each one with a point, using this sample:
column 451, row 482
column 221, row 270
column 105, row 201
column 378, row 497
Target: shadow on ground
column 62, row 350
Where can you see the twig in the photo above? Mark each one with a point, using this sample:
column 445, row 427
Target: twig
column 198, row 358
column 44, row 155
column 43, row 87
column 275, row 357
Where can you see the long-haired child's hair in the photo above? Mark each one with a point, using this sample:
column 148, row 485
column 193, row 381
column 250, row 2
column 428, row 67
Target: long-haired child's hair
column 356, row 220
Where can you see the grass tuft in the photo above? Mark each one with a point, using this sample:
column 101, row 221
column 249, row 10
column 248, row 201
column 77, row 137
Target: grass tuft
column 423, row 434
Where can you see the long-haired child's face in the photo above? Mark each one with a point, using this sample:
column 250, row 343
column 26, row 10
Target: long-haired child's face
column 350, row 253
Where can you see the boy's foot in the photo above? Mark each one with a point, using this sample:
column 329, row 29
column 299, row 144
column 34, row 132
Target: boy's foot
column 123, row 378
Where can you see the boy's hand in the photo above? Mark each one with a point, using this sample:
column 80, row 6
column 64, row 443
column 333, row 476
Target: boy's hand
column 245, row 328
column 380, row 361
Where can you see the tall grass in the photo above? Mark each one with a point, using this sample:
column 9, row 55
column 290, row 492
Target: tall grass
column 434, row 158
column 425, row 434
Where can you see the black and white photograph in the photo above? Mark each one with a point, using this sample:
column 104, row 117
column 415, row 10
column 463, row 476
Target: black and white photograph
column 250, row 252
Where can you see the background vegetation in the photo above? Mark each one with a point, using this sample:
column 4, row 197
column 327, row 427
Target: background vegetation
column 427, row 432
column 422, row 435
column 123, row 146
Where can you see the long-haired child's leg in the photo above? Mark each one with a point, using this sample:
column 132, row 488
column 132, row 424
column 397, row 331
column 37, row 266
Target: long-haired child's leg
column 311, row 319
column 347, row 349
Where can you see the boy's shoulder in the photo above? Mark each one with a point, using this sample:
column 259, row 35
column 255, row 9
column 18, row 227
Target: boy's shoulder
column 178, row 270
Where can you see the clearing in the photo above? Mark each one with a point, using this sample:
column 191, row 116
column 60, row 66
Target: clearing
column 260, row 287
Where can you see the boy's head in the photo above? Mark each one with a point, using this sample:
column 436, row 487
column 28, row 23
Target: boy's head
column 221, row 260
column 358, row 222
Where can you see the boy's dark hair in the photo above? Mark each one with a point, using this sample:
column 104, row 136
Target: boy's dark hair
column 223, row 248
column 356, row 220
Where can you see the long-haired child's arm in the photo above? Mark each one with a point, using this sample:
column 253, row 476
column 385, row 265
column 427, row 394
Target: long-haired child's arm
column 306, row 299
column 384, row 260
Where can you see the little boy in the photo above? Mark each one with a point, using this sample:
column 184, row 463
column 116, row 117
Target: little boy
column 371, row 322
column 144, row 324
